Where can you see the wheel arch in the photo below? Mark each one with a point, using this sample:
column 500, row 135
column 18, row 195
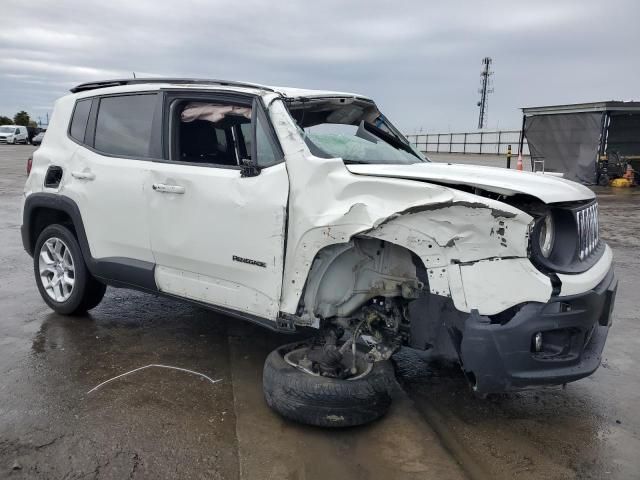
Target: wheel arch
column 344, row 276
column 43, row 209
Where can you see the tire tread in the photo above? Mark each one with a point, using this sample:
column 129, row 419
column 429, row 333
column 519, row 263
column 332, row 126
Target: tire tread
column 323, row 401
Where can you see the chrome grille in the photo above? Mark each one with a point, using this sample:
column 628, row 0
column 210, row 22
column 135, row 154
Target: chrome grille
column 587, row 220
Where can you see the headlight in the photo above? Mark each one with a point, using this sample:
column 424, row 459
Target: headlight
column 546, row 236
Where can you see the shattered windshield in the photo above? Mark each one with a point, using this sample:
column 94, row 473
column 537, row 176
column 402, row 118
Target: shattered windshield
column 352, row 129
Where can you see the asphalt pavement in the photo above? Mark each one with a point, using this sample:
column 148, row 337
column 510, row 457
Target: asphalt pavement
column 165, row 423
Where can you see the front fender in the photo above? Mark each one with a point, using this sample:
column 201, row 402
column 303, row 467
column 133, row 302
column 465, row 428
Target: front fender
column 476, row 254
column 447, row 228
column 474, row 251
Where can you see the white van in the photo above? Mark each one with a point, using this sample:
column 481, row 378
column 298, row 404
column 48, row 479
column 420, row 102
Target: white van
column 14, row 134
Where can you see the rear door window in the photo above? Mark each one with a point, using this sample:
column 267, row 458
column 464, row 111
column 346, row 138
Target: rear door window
column 79, row 120
column 124, row 125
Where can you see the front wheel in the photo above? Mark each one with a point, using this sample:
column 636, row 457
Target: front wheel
column 299, row 393
column 61, row 274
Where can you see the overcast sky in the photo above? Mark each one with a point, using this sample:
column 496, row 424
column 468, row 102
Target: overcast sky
column 419, row 60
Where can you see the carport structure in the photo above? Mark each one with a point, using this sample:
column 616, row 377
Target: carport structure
column 587, row 142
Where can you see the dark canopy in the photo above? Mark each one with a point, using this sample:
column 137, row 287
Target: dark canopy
column 571, row 138
column 567, row 143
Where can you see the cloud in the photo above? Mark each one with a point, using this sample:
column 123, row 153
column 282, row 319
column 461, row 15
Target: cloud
column 419, row 60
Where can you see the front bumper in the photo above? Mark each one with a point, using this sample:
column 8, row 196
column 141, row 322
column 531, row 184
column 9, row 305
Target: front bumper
column 499, row 357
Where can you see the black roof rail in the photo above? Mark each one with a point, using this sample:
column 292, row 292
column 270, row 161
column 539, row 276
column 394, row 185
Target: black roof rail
column 83, row 87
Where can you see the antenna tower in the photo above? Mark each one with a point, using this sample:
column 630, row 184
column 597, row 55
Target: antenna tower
column 486, row 87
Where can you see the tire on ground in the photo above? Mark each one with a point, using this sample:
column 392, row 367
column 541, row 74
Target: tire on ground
column 87, row 291
column 324, row 401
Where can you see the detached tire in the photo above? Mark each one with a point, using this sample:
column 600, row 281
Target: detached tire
column 324, row 401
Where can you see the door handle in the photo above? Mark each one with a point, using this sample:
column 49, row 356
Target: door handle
column 162, row 188
column 83, row 175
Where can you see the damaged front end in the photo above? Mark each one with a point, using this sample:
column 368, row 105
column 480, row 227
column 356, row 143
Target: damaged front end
column 519, row 318
column 457, row 279
column 443, row 260
column 535, row 344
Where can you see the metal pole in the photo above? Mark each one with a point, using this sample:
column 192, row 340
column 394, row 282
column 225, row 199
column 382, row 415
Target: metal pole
column 521, row 142
column 602, row 146
column 464, row 145
column 509, row 156
column 438, row 145
column 480, row 142
column 499, row 134
column 603, row 134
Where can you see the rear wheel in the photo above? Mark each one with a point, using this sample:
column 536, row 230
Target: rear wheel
column 293, row 388
column 61, row 274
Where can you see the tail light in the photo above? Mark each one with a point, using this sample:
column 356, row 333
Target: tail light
column 29, row 164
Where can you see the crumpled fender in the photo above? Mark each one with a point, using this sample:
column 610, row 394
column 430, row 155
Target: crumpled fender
column 474, row 253
column 448, row 229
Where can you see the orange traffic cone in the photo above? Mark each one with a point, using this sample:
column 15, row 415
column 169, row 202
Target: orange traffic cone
column 519, row 164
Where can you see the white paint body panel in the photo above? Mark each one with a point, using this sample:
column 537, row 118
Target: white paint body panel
column 466, row 255
column 548, row 188
column 582, row 282
column 113, row 205
column 491, row 286
column 329, row 205
column 195, row 235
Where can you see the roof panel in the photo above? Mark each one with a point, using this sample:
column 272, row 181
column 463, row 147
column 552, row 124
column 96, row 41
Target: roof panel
column 204, row 83
column 605, row 106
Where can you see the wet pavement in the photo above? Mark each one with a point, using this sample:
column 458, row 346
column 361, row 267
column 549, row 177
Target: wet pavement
column 160, row 423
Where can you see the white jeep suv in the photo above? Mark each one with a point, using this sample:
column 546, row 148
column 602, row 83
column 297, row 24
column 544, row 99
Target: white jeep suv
column 308, row 210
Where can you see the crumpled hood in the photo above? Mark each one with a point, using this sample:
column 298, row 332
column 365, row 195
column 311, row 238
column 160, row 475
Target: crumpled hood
column 503, row 181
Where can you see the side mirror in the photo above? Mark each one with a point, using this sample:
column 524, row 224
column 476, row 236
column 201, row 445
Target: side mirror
column 249, row 168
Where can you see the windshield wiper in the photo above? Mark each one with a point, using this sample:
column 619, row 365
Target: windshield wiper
column 358, row 162
column 390, row 139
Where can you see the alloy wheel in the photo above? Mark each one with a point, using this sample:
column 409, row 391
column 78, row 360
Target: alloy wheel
column 57, row 271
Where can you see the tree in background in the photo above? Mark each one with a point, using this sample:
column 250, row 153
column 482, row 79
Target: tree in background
column 33, row 124
column 21, row 118
column 5, row 120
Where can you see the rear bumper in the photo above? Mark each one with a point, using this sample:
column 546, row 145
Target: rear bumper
column 501, row 357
